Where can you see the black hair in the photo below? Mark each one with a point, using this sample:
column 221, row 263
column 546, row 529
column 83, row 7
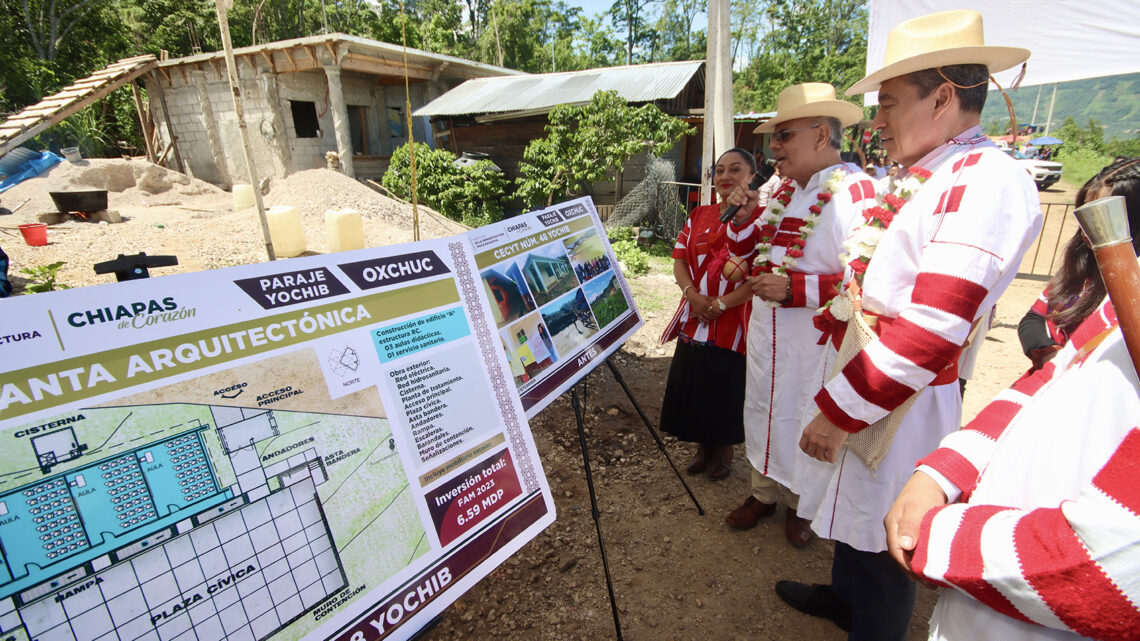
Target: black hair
column 748, row 157
column 973, row 77
column 1077, row 289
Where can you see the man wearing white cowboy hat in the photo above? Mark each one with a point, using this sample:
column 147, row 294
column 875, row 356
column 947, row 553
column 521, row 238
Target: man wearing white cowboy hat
column 965, row 215
column 797, row 237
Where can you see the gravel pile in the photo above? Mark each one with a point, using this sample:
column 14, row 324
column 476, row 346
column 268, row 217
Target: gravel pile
column 129, row 183
column 167, row 213
column 315, row 191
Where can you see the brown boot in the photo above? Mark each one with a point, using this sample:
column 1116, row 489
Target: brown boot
column 720, row 463
column 700, row 460
column 749, row 513
column 797, row 530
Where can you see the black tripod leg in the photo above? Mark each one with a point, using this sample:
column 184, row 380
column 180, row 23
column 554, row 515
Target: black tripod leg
column 656, row 437
column 594, row 504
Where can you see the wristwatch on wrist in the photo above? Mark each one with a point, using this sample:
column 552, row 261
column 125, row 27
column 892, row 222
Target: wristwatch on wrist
column 720, row 305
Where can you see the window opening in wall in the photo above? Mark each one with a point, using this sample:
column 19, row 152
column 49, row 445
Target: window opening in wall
column 305, row 120
column 396, row 123
column 358, row 128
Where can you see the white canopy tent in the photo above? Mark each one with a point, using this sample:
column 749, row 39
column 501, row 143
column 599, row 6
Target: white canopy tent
column 1070, row 39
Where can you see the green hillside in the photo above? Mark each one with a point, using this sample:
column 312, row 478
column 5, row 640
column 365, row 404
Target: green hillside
column 1113, row 101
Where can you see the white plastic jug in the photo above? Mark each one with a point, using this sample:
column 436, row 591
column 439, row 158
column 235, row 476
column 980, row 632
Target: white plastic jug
column 243, row 196
column 285, row 231
column 344, row 229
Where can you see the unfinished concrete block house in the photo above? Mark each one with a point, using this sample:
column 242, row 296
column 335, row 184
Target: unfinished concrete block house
column 302, row 98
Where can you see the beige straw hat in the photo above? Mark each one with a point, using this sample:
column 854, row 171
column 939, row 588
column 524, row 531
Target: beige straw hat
column 938, row 40
column 811, row 99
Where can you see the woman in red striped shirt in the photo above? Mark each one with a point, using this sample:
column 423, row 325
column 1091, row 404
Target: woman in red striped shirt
column 704, row 396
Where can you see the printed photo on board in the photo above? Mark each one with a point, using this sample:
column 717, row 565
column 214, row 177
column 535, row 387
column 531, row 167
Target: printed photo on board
column 507, row 291
column 606, row 298
column 570, row 322
column 587, row 255
column 548, row 272
column 529, row 347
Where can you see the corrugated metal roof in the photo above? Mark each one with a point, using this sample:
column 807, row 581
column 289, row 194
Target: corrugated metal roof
column 542, row 92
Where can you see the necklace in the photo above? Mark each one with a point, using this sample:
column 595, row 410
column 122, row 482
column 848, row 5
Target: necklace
column 774, row 214
column 861, row 245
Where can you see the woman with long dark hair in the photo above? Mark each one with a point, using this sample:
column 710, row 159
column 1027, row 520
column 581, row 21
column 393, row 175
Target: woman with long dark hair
column 1077, row 289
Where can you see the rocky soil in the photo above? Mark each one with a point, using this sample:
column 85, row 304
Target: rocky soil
column 677, row 574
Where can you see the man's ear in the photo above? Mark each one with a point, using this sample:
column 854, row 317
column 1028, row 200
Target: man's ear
column 944, row 96
column 823, row 134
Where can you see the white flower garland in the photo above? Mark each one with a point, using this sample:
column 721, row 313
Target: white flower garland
column 774, row 214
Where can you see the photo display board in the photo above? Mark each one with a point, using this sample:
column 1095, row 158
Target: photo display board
column 557, row 296
column 328, row 447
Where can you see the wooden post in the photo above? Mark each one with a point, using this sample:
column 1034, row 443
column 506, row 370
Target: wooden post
column 157, row 81
column 723, row 135
column 231, row 68
column 142, row 121
column 340, row 120
column 708, row 126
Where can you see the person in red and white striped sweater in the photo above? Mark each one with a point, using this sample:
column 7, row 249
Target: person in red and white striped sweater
column 1031, row 513
column 947, row 256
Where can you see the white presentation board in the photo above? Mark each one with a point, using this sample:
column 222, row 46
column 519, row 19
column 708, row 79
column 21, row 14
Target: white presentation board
column 328, row 447
column 558, row 298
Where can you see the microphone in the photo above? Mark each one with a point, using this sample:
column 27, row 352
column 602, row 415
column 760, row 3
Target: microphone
column 757, row 181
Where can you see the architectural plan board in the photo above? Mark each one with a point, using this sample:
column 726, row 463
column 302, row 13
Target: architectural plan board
column 558, row 298
column 328, row 447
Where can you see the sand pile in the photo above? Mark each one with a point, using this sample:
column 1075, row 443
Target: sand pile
column 129, row 183
column 315, row 191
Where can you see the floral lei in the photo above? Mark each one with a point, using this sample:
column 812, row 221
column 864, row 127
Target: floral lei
column 770, row 226
column 861, row 245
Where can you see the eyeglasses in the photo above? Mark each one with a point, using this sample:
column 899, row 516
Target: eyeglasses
column 784, row 134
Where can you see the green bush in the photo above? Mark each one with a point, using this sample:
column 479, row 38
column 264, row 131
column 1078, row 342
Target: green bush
column 629, row 254
column 44, row 278
column 473, row 194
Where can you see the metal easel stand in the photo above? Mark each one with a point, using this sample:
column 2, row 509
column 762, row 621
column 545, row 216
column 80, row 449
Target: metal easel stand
column 576, row 402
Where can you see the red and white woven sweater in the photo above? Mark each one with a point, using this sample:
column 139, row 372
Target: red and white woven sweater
column 1044, row 524
column 949, row 253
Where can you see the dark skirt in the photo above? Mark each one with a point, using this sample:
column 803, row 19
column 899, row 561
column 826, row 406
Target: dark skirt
column 704, row 396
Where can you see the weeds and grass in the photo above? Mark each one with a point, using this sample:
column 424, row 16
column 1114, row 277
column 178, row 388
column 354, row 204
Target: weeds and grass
column 44, row 278
column 1082, row 164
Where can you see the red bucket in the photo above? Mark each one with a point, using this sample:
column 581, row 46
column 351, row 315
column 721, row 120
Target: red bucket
column 35, row 234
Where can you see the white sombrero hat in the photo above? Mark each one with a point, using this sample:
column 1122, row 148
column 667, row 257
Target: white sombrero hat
column 938, row 40
column 811, row 99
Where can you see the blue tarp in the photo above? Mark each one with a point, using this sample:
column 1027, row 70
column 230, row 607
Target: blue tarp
column 30, row 169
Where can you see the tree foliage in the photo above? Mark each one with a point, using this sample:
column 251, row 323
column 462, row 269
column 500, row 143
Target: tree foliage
column 585, row 144
column 794, row 41
column 472, row 194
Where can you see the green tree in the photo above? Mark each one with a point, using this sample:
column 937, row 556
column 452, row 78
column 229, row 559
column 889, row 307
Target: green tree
column 588, row 143
column 630, row 17
column 804, row 41
column 472, row 194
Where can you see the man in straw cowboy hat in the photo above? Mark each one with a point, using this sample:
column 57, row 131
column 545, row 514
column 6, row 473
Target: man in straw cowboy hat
column 955, row 232
column 796, row 238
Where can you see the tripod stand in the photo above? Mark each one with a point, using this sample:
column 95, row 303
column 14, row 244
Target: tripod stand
column 576, row 402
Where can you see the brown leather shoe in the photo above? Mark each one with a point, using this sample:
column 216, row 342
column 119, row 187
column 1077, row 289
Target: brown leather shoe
column 749, row 513
column 700, row 460
column 720, row 463
column 798, row 530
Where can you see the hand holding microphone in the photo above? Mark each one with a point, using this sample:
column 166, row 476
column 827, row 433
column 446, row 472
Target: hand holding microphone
column 742, row 197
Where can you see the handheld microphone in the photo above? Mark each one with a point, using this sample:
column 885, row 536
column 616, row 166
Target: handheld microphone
column 757, row 181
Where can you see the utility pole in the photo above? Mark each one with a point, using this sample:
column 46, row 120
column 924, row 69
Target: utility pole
column 717, row 136
column 239, row 112
column 1052, row 103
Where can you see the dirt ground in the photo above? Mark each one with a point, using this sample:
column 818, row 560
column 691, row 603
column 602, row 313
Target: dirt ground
column 677, row 575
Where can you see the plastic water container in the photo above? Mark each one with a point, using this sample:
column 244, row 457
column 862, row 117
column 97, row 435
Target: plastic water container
column 285, row 231
column 71, row 154
column 344, row 229
column 243, row 196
